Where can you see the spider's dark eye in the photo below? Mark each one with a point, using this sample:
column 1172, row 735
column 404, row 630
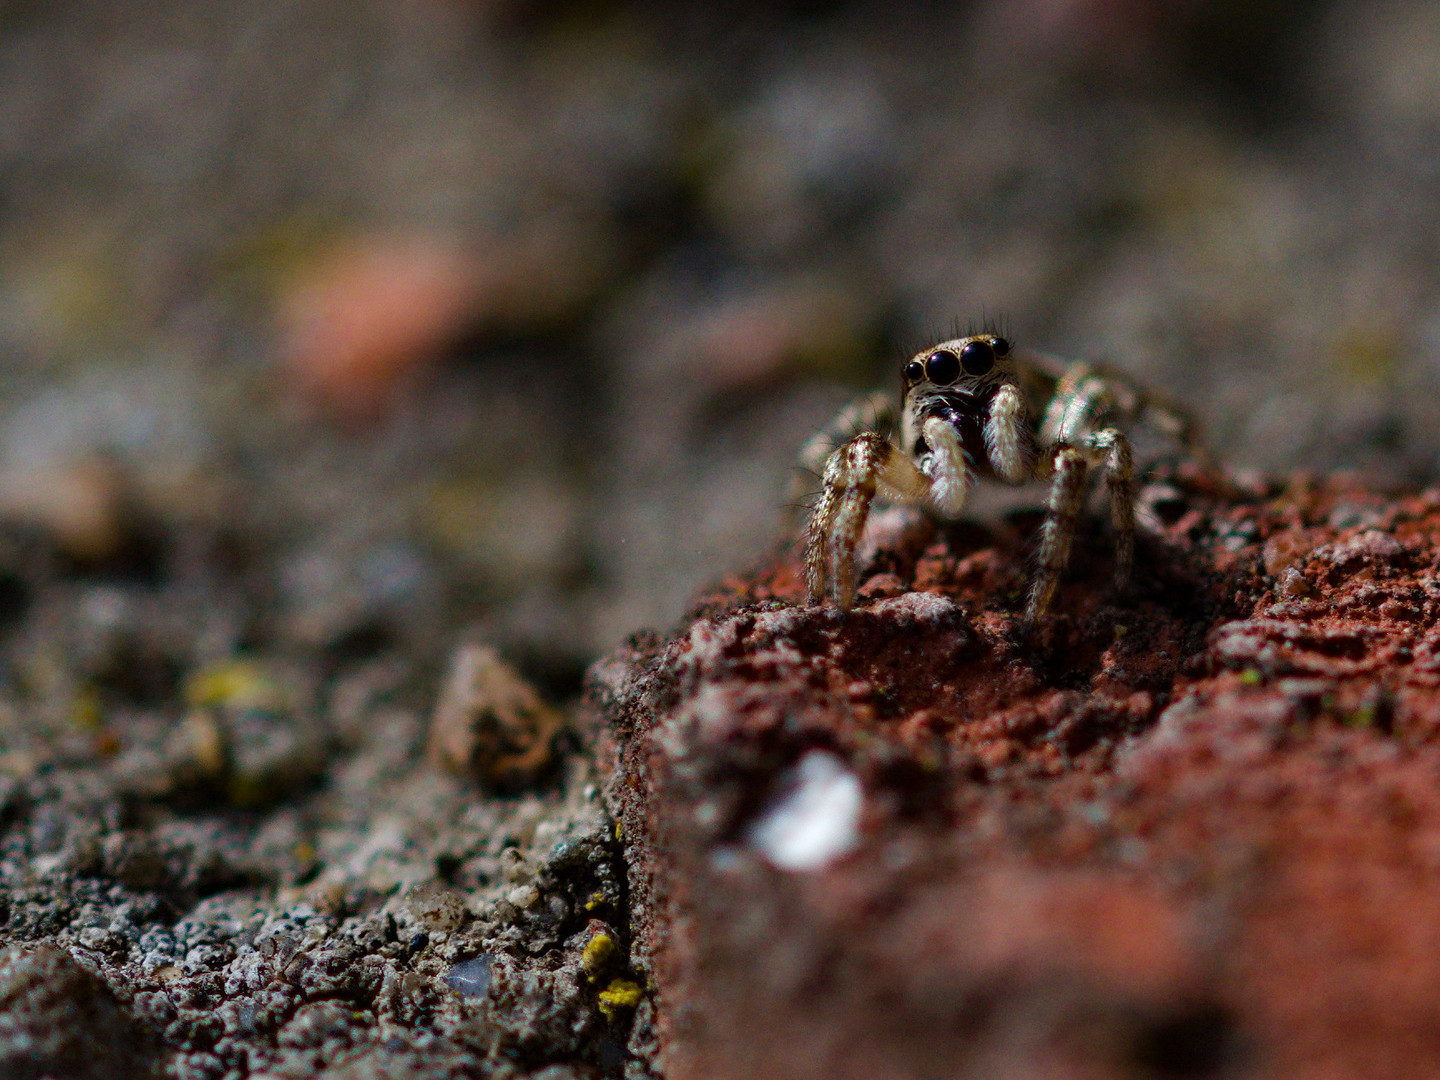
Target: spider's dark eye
column 1001, row 346
column 914, row 371
column 978, row 358
column 942, row 367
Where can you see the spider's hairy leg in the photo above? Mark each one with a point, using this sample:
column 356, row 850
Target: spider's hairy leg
column 873, row 412
column 1119, row 464
column 851, row 477
column 854, row 473
column 1008, row 441
column 1081, row 396
column 817, row 541
column 1067, row 495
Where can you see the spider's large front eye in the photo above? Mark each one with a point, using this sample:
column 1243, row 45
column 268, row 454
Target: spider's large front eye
column 978, row 358
column 914, row 372
column 942, row 367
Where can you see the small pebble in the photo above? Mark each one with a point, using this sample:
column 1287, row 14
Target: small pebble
column 1293, row 584
column 523, row 897
column 490, row 723
column 814, row 823
column 470, row 978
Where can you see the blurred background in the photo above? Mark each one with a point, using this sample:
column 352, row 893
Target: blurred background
column 334, row 330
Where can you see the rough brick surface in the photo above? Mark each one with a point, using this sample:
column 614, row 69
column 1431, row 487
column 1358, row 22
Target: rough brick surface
column 1190, row 832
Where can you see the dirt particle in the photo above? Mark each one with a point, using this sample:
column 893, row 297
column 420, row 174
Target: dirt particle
column 435, row 906
column 1293, row 584
column 490, row 723
column 1369, row 547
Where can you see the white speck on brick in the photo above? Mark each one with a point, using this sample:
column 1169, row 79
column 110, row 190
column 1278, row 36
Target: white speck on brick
column 816, row 820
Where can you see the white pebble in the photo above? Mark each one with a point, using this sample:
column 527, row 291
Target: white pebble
column 817, row 818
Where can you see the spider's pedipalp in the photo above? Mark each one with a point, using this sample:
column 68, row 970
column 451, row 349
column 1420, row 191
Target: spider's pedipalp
column 950, row 477
column 1008, row 441
column 1067, row 496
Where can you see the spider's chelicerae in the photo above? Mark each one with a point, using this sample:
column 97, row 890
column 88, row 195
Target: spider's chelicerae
column 975, row 407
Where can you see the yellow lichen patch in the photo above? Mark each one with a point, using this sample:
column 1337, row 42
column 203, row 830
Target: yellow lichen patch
column 597, row 899
column 85, row 710
column 620, row 994
column 203, row 742
column 240, row 684
column 1363, row 716
column 598, row 951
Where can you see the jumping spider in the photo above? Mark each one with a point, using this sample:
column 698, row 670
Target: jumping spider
column 966, row 408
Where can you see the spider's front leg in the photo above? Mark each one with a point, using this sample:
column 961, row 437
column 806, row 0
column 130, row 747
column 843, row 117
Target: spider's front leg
column 873, row 412
column 1111, row 449
column 867, row 465
column 852, row 476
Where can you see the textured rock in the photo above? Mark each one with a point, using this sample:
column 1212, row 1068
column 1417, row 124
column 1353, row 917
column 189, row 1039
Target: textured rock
column 57, row 1019
column 1188, row 832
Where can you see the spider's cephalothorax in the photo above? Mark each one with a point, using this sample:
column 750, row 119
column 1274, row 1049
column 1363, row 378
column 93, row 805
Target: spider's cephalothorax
column 964, row 414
